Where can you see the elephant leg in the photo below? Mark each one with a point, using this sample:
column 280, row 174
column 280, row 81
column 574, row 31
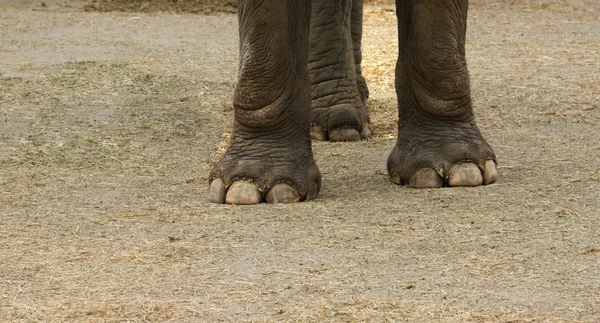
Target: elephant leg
column 270, row 157
column 439, row 143
column 338, row 108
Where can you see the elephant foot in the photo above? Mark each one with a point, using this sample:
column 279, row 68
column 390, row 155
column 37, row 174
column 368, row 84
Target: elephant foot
column 339, row 92
column 442, row 155
column 268, row 175
column 343, row 122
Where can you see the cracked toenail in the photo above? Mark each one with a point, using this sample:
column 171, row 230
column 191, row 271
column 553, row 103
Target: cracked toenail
column 466, row 174
column 243, row 192
column 426, row 178
column 282, row 193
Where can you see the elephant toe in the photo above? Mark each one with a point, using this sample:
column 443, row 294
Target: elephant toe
column 465, row 174
column 243, row 192
column 216, row 191
column 461, row 174
column 342, row 122
column 282, row 193
column 490, row 173
column 344, row 134
column 366, row 131
column 426, row 178
column 318, row 133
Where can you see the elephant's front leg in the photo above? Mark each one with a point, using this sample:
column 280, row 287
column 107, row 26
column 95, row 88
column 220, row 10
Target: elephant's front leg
column 339, row 92
column 270, row 157
column 439, row 143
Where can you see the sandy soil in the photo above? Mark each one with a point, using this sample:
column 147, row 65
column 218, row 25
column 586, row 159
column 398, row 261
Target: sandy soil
column 110, row 122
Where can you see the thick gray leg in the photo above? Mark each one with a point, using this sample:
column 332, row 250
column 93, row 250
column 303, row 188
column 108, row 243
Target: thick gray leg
column 339, row 113
column 438, row 140
column 270, row 157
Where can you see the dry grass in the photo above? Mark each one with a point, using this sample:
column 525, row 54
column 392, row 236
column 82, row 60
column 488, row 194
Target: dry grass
column 191, row 6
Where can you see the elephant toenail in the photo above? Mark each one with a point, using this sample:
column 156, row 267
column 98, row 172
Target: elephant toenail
column 317, row 133
column 426, row 178
column 490, row 172
column 466, row 174
column 344, row 134
column 395, row 177
column 216, row 192
column 282, row 193
column 243, row 192
column 312, row 191
column 366, row 131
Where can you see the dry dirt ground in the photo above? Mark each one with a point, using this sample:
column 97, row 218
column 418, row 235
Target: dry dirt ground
column 110, row 122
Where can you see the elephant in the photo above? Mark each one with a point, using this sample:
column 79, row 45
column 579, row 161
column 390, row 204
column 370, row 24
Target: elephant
column 299, row 79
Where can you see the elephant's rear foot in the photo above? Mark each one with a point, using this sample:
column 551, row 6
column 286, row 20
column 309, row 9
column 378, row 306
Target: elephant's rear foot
column 339, row 92
column 339, row 104
column 340, row 122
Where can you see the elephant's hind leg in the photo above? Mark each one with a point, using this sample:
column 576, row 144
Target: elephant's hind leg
column 270, row 158
column 339, row 92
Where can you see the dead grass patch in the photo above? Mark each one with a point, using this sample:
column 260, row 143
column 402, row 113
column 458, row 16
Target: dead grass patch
column 190, row 6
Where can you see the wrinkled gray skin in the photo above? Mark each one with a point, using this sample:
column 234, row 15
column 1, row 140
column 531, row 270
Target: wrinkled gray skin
column 294, row 84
